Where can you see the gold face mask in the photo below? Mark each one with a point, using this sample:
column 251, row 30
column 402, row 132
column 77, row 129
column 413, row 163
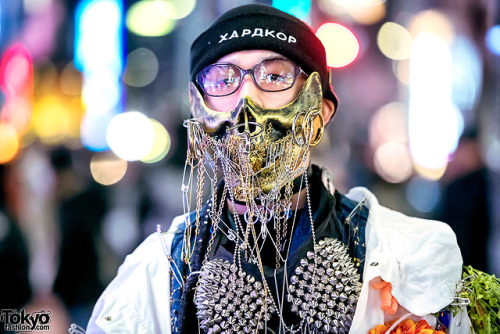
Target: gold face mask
column 260, row 150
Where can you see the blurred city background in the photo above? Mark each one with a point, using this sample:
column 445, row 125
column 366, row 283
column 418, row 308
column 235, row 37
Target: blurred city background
column 92, row 148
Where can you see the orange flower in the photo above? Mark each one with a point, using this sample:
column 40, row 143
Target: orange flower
column 405, row 327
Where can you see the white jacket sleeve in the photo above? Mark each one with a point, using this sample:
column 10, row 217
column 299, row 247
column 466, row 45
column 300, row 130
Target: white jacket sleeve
column 419, row 257
column 138, row 299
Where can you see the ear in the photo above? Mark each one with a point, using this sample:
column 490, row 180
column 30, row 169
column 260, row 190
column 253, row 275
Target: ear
column 328, row 110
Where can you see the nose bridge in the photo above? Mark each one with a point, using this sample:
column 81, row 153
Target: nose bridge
column 248, row 72
column 246, row 118
column 250, row 101
column 249, row 89
column 247, row 79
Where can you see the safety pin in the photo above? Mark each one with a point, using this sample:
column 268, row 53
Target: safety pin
column 460, row 301
column 354, row 211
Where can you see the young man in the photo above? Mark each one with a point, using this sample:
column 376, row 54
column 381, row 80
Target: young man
column 276, row 249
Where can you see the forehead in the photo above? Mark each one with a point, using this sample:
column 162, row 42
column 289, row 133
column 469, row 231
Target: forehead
column 248, row 58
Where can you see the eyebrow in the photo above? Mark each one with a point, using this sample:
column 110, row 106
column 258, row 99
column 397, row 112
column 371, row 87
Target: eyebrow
column 275, row 56
column 260, row 59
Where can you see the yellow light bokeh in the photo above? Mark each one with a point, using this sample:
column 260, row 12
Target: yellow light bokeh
column 106, row 168
column 150, row 18
column 394, row 41
column 161, row 143
column 332, row 35
column 9, row 142
column 75, row 116
column 371, row 12
column 433, row 22
column 27, row 138
column 331, row 8
column 180, row 8
column 51, row 120
column 433, row 174
column 401, row 69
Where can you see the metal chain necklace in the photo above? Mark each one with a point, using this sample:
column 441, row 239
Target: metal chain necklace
column 323, row 292
column 258, row 171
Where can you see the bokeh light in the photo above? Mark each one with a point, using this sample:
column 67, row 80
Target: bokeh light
column 75, row 114
column 393, row 162
column 389, row 141
column 70, row 80
column 493, row 39
column 34, row 6
column 45, row 77
column 98, row 55
column 16, row 71
column 366, row 12
column 17, row 112
column 361, row 11
column 51, row 120
column 433, row 22
column 298, row 8
column 106, row 168
column 434, row 122
column 9, row 142
column 332, row 35
column 401, row 69
column 151, row 18
column 93, row 130
column 492, row 153
column 394, row 41
column 161, row 143
column 467, row 74
column 422, row 194
column 130, row 135
column 101, row 92
column 179, row 8
column 331, row 8
column 27, row 138
column 16, row 84
column 121, row 230
column 430, row 173
column 389, row 124
column 347, row 3
column 141, row 69
column 98, row 46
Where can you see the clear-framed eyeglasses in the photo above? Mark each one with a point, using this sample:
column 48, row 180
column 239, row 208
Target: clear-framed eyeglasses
column 270, row 75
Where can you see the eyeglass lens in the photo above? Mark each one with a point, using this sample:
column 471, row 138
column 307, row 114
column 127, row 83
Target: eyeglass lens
column 269, row 75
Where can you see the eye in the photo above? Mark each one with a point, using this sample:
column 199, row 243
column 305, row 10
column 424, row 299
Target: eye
column 226, row 82
column 275, row 74
column 273, row 77
column 220, row 79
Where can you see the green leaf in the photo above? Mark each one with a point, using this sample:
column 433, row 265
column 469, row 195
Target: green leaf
column 483, row 291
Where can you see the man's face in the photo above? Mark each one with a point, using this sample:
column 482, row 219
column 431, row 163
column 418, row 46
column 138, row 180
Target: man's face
column 246, row 60
column 262, row 138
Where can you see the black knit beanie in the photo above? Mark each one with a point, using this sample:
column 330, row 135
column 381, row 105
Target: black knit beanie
column 262, row 27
